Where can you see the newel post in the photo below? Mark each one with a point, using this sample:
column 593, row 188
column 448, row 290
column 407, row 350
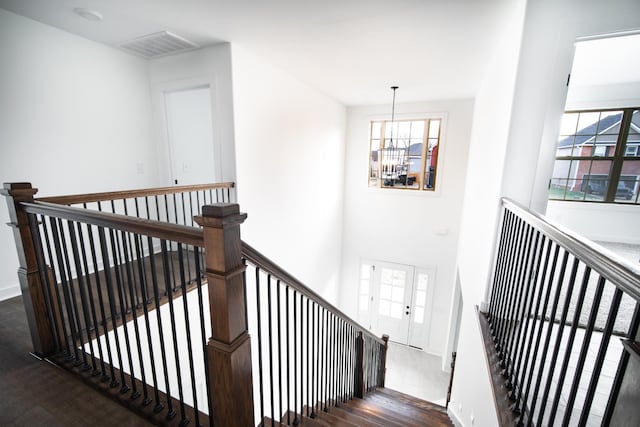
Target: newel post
column 28, row 274
column 229, row 348
column 359, row 374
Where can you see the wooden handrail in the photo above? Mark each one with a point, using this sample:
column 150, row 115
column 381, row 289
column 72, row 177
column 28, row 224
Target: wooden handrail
column 264, row 263
column 128, row 194
column 617, row 270
column 161, row 230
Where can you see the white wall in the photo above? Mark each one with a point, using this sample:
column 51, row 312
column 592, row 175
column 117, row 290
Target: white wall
column 211, row 67
column 75, row 116
column 406, row 227
column 543, row 60
column 471, row 396
column 290, row 163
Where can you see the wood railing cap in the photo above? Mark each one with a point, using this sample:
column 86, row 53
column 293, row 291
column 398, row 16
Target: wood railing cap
column 220, row 215
column 18, row 189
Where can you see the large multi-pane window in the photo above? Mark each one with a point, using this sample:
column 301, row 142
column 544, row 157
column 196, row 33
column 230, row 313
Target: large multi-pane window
column 404, row 154
column 598, row 157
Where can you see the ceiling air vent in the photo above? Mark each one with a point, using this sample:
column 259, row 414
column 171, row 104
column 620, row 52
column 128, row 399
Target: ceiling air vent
column 158, row 44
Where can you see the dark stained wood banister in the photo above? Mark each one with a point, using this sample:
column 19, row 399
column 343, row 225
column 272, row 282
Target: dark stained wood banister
column 129, row 194
column 271, row 267
column 161, row 230
column 617, row 270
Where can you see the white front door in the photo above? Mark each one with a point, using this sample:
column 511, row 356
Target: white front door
column 394, row 289
column 396, row 300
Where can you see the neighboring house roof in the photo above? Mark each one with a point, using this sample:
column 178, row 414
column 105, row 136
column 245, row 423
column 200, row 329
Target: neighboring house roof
column 603, row 132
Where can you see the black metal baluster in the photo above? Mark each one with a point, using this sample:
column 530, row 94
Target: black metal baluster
column 143, row 288
column 556, row 348
column 323, row 385
column 156, row 295
column 112, row 310
column 295, row 357
column 169, row 291
column 313, row 360
column 286, row 304
column 301, row 355
column 508, row 287
column 132, row 280
column 83, row 296
column 622, row 367
column 56, row 291
column 115, row 247
column 586, row 340
column 498, row 319
column 74, row 299
column 499, row 266
column 103, row 315
column 526, row 379
column 278, row 310
column 185, row 307
column 136, row 330
column 203, row 337
column 259, row 344
column 530, row 282
column 602, row 351
column 65, row 288
column 514, row 314
column 569, row 348
column 270, row 341
column 307, row 364
column 547, row 341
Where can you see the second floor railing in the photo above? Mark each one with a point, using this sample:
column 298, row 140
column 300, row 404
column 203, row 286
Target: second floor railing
column 562, row 327
column 178, row 319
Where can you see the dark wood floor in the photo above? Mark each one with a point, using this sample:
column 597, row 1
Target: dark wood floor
column 36, row 393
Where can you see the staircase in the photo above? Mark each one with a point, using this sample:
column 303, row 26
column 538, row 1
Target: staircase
column 380, row 408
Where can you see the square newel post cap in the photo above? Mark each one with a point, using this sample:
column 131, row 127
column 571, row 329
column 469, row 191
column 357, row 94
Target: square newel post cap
column 219, row 215
column 13, row 189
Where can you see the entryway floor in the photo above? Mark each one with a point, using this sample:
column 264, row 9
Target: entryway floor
column 414, row 372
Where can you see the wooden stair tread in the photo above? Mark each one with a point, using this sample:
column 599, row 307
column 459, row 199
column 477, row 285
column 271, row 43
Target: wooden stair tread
column 424, row 404
column 380, row 408
column 303, row 420
column 354, row 417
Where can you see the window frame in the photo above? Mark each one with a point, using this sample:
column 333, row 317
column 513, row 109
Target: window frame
column 617, row 159
column 384, row 120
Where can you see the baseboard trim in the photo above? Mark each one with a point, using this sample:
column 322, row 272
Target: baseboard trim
column 9, row 292
column 454, row 419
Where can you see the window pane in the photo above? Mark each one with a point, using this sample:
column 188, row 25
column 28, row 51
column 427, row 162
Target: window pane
column 610, row 122
column 575, row 190
column 434, row 129
column 417, row 129
column 384, row 308
column 587, row 123
column 569, row 124
column 423, row 279
column 629, row 184
column 364, row 287
column 385, row 292
column 421, row 298
column 397, row 294
column 396, row 310
column 418, row 315
column 386, row 275
column 632, row 145
column 376, row 128
column 364, row 303
column 557, row 189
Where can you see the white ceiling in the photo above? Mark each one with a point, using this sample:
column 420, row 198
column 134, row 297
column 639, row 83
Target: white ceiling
column 352, row 50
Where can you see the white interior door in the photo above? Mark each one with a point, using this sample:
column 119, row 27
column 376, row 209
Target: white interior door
column 190, row 135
